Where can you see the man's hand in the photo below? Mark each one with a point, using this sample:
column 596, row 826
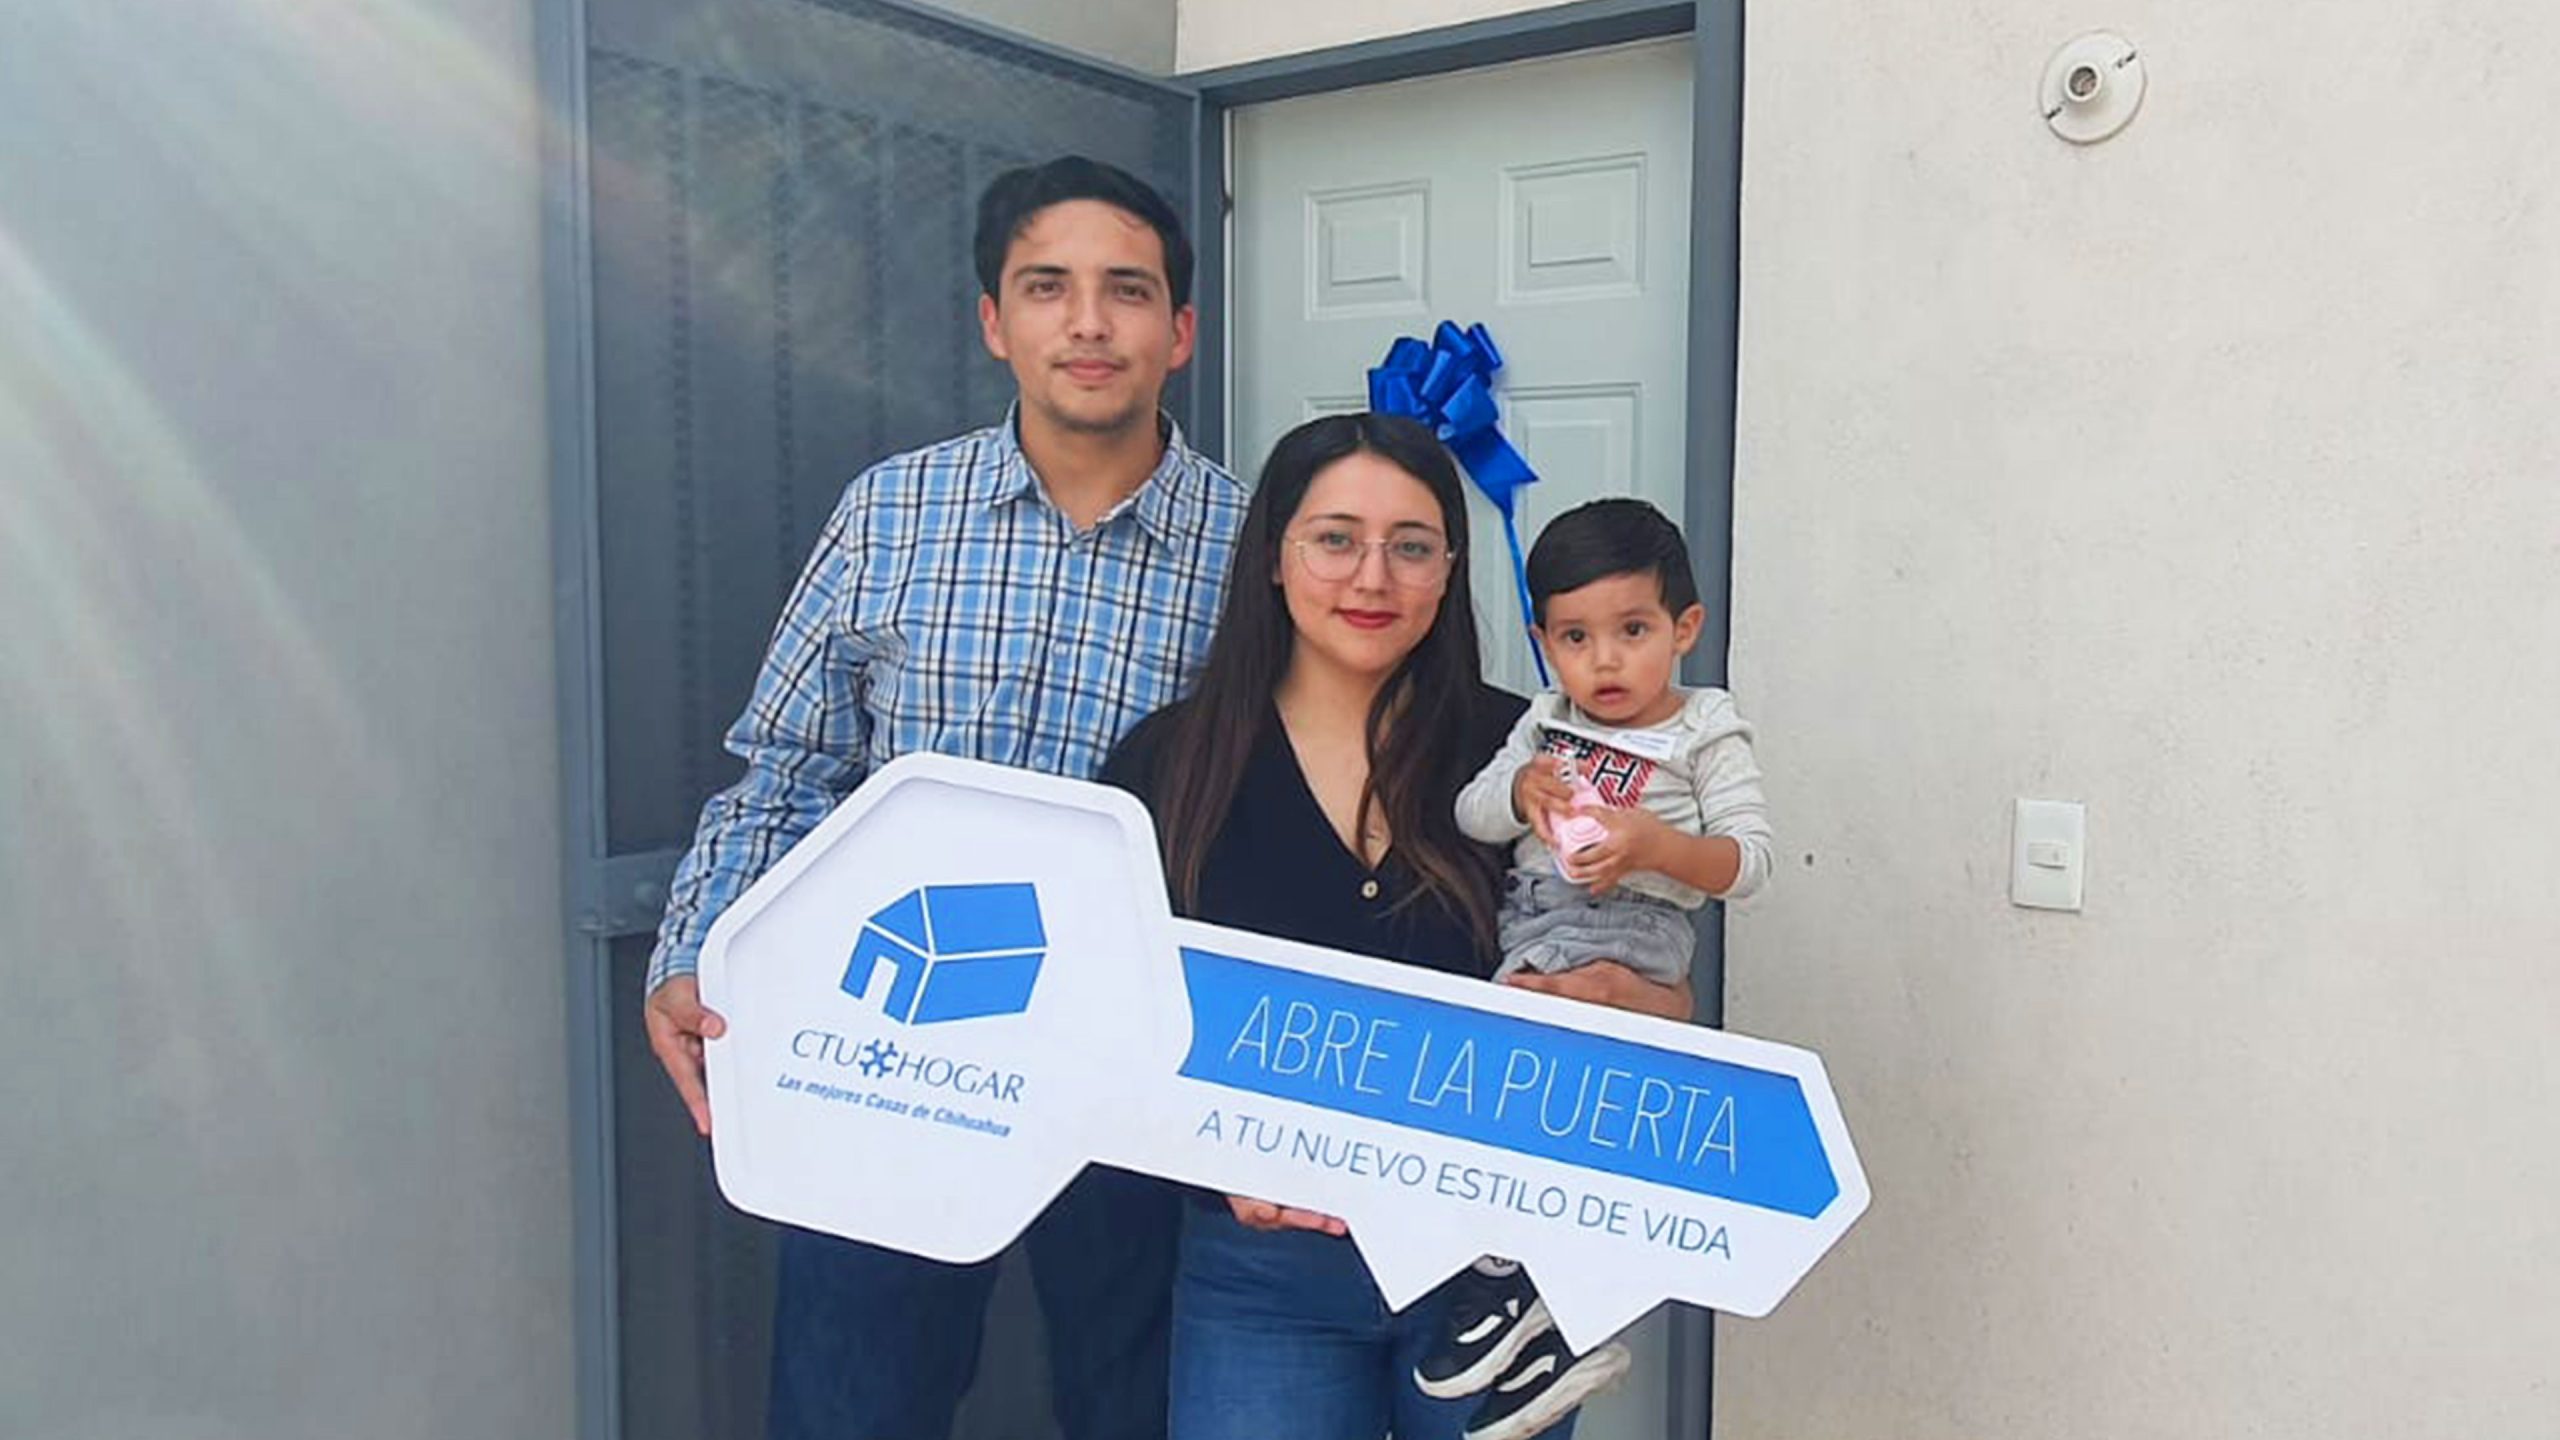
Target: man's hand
column 1606, row 982
column 1537, row 790
column 677, row 1027
column 1263, row 1215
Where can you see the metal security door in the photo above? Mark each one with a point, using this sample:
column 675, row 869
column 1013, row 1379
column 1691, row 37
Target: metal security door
column 761, row 283
column 1548, row 199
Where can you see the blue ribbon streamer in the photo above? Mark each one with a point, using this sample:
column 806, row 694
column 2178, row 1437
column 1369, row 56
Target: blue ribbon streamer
column 1448, row 385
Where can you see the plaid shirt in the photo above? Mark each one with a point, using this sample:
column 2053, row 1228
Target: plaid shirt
column 951, row 607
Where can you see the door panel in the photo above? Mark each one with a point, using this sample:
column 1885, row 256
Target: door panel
column 1548, row 199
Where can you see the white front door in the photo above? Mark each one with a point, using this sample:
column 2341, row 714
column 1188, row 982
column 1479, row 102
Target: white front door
column 1548, row 199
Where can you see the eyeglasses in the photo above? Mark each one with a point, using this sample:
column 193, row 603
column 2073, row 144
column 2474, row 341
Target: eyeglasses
column 1415, row 562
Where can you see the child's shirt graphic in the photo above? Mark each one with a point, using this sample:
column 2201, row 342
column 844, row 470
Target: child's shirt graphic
column 1695, row 771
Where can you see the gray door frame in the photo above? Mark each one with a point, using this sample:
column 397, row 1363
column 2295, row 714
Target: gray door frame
column 560, row 28
column 1715, row 288
column 610, row 896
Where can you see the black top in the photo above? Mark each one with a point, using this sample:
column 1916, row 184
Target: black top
column 1278, row 868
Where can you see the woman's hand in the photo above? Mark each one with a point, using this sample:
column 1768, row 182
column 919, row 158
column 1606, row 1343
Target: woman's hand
column 1263, row 1215
column 1606, row 982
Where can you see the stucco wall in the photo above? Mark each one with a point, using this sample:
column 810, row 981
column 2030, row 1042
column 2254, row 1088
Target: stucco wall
column 279, row 892
column 2206, row 476
column 1134, row 33
column 1211, row 33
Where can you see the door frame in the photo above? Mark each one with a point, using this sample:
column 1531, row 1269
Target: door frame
column 1715, row 295
column 610, row 898
column 1716, row 167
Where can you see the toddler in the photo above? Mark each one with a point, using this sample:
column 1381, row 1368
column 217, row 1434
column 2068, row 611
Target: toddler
column 1629, row 801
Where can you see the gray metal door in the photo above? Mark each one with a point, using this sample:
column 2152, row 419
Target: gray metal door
column 760, row 257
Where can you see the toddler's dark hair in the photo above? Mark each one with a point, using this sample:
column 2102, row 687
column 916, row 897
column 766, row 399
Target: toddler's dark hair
column 1616, row 536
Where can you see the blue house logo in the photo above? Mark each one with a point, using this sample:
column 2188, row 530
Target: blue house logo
column 955, row 952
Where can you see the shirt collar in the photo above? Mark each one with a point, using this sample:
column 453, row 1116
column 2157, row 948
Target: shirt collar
column 1157, row 502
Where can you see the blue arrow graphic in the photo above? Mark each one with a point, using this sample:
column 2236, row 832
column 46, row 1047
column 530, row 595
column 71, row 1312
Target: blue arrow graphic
column 1594, row 1101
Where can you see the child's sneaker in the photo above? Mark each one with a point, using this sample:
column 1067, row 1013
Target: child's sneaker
column 1545, row 1386
column 1491, row 1317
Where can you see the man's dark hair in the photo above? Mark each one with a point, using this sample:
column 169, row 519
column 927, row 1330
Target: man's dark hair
column 1012, row 198
column 1617, row 536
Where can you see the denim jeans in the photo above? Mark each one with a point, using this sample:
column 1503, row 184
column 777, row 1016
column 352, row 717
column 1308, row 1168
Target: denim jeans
column 872, row 1344
column 1280, row 1335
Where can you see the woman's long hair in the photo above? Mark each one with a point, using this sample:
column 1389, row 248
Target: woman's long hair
column 1415, row 766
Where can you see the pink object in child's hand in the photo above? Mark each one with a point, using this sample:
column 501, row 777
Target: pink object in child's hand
column 1573, row 829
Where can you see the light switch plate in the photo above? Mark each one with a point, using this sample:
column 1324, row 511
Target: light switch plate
column 2048, row 852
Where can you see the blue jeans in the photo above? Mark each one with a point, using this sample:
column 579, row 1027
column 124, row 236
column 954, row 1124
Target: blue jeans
column 1280, row 1335
column 872, row 1344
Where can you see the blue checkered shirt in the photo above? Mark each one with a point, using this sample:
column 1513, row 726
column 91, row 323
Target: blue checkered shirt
column 951, row 607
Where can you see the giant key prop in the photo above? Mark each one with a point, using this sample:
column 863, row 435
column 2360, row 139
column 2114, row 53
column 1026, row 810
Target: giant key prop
column 966, row 984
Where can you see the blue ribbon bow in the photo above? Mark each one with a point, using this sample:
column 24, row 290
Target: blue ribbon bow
column 1448, row 385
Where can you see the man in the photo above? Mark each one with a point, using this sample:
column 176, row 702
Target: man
column 1020, row 594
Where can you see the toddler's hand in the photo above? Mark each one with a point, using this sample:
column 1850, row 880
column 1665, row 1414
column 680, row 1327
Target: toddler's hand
column 1537, row 790
column 1626, row 847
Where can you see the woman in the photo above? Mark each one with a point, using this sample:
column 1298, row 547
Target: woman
column 1305, row 790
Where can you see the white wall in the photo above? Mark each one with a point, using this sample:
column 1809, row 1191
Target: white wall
column 2209, row 476
column 1134, row 33
column 1211, row 33
column 279, row 902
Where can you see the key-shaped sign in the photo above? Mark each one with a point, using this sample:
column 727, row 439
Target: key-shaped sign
column 966, row 984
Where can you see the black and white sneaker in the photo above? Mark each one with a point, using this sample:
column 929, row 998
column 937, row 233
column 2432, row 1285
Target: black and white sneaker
column 1546, row 1386
column 1491, row 1317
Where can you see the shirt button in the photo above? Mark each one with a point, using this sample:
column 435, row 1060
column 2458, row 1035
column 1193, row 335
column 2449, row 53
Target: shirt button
column 1368, row 889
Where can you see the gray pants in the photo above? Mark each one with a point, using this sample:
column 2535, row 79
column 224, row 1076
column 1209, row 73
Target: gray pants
column 1551, row 924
